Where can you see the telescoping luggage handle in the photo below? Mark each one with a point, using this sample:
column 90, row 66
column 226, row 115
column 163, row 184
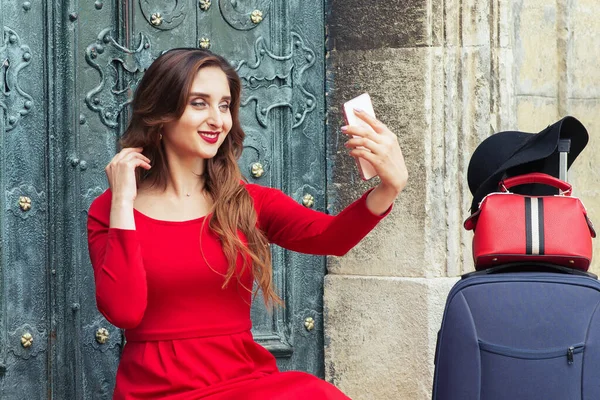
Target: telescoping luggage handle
column 564, row 146
column 536, row 177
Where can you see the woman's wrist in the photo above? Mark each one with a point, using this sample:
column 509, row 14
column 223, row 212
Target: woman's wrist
column 118, row 202
column 381, row 198
column 389, row 190
column 121, row 213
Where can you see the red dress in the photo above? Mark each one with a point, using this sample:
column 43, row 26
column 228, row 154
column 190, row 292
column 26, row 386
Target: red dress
column 187, row 337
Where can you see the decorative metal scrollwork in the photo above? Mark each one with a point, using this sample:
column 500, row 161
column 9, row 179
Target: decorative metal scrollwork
column 246, row 19
column 156, row 19
column 257, row 170
column 308, row 196
column 101, row 335
column 27, row 341
column 21, row 198
column 309, row 323
column 256, row 154
column 89, row 197
column 204, row 4
column 13, row 58
column 308, row 200
column 256, row 16
column 204, row 43
column 120, row 71
column 278, row 80
column 161, row 17
column 25, row 203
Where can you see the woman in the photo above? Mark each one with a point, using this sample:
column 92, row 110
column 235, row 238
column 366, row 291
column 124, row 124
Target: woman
column 179, row 238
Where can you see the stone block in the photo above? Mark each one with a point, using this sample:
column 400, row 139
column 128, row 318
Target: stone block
column 535, row 48
column 380, row 335
column 476, row 21
column 536, row 113
column 585, row 171
column 397, row 82
column 583, row 57
column 362, row 25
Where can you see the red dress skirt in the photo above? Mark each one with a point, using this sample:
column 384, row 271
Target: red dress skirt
column 229, row 367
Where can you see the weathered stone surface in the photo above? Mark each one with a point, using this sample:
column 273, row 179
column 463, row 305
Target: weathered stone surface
column 395, row 80
column 380, row 335
column 585, row 171
column 474, row 30
column 583, row 54
column 536, row 113
column 437, row 100
column 361, row 25
column 522, row 65
column 535, row 47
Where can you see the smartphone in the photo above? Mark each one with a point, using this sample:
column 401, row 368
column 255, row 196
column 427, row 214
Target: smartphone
column 362, row 102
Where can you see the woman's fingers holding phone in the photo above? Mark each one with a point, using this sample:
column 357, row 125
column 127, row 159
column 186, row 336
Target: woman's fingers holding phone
column 378, row 126
column 361, row 131
column 377, row 142
column 372, row 129
column 357, row 141
column 388, row 163
column 384, row 153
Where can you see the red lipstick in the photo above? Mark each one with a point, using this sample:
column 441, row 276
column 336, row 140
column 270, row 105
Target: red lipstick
column 209, row 137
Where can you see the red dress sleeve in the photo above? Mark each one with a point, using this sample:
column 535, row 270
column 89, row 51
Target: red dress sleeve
column 295, row 227
column 119, row 274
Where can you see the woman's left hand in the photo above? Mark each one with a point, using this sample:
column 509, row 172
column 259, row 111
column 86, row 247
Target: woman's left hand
column 381, row 149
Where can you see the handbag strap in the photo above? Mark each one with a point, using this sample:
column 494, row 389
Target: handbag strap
column 525, row 179
column 536, row 177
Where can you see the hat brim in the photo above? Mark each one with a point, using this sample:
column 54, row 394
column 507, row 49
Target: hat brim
column 540, row 146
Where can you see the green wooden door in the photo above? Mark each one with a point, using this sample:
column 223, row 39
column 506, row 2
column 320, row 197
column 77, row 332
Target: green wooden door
column 67, row 72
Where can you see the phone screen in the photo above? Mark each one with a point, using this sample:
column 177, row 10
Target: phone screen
column 364, row 103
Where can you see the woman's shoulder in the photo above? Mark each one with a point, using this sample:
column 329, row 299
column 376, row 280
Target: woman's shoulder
column 266, row 197
column 253, row 188
column 258, row 192
column 101, row 205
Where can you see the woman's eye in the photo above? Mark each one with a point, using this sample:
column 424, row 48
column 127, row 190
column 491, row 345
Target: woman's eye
column 198, row 103
column 224, row 107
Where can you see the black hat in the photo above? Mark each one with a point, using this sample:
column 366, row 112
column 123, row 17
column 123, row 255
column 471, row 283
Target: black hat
column 511, row 153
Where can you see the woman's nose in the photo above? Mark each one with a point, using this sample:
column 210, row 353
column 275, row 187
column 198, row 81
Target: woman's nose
column 215, row 119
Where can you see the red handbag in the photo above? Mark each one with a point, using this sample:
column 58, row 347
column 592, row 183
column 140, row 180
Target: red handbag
column 510, row 227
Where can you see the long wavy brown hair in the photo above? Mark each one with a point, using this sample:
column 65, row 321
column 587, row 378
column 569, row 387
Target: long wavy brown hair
column 161, row 97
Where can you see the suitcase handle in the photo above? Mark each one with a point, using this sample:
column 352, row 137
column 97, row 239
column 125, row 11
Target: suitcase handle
column 529, row 267
column 536, row 177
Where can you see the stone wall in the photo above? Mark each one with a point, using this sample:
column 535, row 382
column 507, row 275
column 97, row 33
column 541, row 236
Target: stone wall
column 443, row 75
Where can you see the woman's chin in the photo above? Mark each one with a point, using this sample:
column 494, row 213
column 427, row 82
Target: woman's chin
column 206, row 154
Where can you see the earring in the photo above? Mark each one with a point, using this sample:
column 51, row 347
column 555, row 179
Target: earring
column 160, row 136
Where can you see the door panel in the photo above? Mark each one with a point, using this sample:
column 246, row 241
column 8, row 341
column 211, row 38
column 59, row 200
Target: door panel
column 25, row 279
column 67, row 72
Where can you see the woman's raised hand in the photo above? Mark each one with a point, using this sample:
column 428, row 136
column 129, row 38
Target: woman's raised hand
column 383, row 152
column 121, row 174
